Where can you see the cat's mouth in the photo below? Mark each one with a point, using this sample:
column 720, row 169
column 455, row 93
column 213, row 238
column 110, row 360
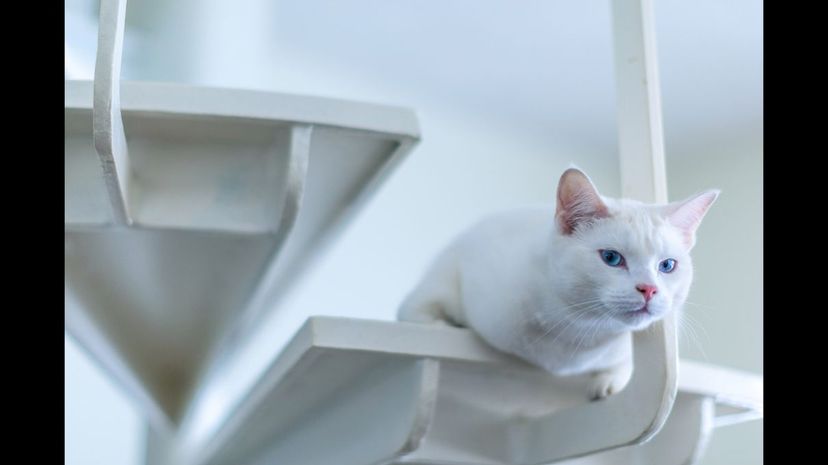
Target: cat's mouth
column 642, row 312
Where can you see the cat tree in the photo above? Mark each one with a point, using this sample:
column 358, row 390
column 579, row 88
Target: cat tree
column 175, row 245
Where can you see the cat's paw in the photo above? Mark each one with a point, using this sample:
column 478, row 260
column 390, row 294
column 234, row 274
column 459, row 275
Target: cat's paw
column 604, row 384
column 443, row 323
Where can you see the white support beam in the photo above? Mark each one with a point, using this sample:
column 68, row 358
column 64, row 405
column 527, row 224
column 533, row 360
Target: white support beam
column 643, row 170
column 455, row 400
column 293, row 182
column 640, row 132
column 107, row 126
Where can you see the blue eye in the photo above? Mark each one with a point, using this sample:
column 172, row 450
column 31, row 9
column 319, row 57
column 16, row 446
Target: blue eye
column 667, row 266
column 611, row 257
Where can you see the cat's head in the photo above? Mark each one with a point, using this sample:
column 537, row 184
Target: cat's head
column 624, row 264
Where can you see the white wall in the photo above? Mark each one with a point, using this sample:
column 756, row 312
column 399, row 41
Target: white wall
column 726, row 299
column 101, row 425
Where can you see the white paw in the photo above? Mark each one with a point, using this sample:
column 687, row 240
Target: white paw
column 603, row 385
column 443, row 323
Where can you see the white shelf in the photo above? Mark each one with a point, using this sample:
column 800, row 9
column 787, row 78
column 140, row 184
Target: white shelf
column 212, row 228
column 351, row 391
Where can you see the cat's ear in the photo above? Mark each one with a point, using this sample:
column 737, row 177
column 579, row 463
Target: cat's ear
column 687, row 214
column 578, row 201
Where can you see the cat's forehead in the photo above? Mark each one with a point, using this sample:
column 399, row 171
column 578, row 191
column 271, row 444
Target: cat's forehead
column 637, row 227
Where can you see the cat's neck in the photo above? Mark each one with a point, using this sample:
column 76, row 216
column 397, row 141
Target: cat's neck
column 569, row 332
column 565, row 351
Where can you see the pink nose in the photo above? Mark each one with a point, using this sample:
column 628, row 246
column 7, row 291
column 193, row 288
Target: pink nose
column 647, row 290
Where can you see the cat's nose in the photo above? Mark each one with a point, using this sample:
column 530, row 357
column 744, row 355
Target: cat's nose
column 647, row 290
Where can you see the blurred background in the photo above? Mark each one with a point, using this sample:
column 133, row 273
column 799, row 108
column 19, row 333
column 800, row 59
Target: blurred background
column 508, row 95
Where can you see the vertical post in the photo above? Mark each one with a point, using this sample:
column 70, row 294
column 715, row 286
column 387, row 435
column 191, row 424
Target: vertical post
column 641, row 152
column 107, row 126
column 640, row 132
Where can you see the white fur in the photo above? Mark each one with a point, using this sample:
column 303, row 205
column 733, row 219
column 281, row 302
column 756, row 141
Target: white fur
column 530, row 289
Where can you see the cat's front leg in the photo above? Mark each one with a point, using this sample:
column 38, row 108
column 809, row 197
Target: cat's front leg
column 604, row 383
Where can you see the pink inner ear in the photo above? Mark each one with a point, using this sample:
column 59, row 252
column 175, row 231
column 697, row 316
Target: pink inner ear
column 687, row 215
column 578, row 201
column 580, row 211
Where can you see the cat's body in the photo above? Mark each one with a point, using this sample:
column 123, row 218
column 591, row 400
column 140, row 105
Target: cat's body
column 495, row 278
column 536, row 282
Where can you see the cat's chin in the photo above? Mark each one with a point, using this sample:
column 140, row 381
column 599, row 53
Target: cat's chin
column 640, row 325
column 635, row 320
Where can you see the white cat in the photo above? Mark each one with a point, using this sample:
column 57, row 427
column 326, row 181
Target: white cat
column 564, row 289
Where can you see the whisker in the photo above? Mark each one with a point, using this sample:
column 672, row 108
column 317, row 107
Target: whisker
column 569, row 318
column 686, row 327
column 590, row 331
column 581, row 315
column 697, row 324
column 591, row 305
column 702, row 308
